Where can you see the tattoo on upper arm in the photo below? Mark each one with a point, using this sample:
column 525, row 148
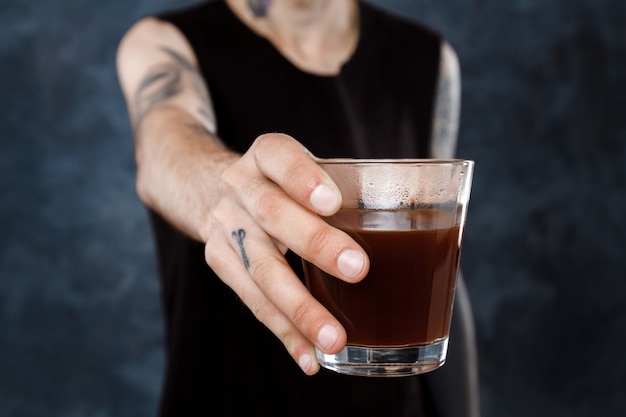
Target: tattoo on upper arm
column 239, row 235
column 166, row 81
column 162, row 83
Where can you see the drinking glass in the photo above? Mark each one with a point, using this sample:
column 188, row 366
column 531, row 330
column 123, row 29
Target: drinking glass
column 409, row 216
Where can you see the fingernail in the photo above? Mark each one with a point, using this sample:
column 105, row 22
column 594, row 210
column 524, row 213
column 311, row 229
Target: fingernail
column 327, row 337
column 304, row 362
column 350, row 263
column 325, row 199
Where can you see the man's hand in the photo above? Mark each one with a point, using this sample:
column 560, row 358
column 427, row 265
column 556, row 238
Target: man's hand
column 270, row 201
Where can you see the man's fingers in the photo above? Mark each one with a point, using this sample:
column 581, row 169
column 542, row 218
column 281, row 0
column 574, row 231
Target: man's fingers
column 250, row 262
column 226, row 263
column 290, row 165
column 271, row 200
column 276, row 182
column 306, row 234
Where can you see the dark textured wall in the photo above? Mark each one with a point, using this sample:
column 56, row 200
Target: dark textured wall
column 544, row 116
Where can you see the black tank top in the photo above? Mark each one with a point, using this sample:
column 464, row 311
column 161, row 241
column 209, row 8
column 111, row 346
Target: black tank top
column 220, row 360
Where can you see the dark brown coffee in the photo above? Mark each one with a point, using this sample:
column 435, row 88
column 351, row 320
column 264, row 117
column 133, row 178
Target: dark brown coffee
column 406, row 298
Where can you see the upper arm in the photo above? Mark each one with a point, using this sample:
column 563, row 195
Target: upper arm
column 156, row 66
column 447, row 105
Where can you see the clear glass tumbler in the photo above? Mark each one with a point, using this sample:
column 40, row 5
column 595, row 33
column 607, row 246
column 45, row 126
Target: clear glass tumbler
column 409, row 216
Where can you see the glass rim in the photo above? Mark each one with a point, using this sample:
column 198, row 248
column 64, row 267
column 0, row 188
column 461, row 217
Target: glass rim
column 393, row 161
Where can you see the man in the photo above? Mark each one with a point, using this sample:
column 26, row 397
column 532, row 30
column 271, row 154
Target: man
column 207, row 89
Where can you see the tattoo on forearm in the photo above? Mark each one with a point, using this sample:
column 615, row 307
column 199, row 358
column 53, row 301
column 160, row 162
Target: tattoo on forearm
column 239, row 235
column 166, row 81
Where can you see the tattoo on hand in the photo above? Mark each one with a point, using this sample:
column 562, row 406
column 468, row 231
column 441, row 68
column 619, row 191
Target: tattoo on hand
column 239, row 235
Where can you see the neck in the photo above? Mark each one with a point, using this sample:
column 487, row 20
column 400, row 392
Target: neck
column 317, row 36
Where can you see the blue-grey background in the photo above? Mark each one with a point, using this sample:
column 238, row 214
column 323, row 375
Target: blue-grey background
column 544, row 116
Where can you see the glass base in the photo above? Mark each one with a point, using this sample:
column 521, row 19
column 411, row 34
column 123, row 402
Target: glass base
column 386, row 362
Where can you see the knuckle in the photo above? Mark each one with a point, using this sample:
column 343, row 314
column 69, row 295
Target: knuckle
column 259, row 307
column 271, row 144
column 301, row 313
column 268, row 206
column 307, row 179
column 264, row 144
column 319, row 240
column 210, row 254
column 264, row 270
column 228, row 180
column 289, row 340
column 261, row 271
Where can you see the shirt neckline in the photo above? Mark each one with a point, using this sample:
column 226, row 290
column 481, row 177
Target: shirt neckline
column 353, row 57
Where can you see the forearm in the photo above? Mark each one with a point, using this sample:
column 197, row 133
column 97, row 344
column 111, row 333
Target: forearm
column 178, row 166
column 179, row 158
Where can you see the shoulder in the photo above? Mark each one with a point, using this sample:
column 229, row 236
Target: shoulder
column 147, row 36
column 174, row 28
column 149, row 30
